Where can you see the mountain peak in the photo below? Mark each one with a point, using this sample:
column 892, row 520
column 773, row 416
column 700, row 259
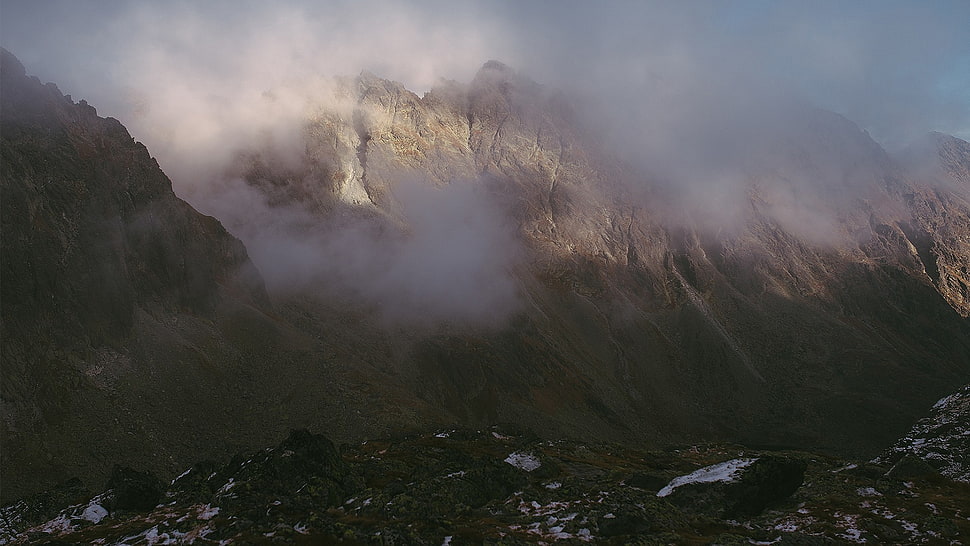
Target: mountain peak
column 496, row 66
column 495, row 72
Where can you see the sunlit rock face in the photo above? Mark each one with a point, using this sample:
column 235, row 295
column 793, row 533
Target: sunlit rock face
column 474, row 255
column 802, row 288
column 940, row 201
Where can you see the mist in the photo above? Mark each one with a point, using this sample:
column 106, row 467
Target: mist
column 696, row 95
column 448, row 256
column 898, row 69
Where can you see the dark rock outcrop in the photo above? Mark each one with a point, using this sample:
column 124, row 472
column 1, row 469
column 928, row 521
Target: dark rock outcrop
column 118, row 298
column 939, row 442
column 742, row 489
column 133, row 490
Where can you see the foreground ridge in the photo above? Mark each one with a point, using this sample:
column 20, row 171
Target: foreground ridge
column 464, row 486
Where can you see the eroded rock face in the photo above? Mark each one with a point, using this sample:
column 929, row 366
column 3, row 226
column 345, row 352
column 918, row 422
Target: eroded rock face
column 834, row 282
column 940, row 206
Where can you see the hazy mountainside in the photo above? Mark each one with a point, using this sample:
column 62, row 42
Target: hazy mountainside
column 940, row 214
column 116, row 294
column 819, row 296
column 470, row 256
column 134, row 329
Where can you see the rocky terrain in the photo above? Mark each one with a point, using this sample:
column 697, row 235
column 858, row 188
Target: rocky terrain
column 823, row 314
column 940, row 440
column 498, row 487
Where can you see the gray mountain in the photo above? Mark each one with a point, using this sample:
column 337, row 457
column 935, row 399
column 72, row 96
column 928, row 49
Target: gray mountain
column 835, row 293
column 137, row 331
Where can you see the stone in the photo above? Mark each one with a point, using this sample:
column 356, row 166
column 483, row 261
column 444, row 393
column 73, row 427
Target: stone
column 744, row 491
column 132, row 490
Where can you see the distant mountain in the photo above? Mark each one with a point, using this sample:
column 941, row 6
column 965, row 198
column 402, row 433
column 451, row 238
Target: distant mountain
column 471, row 256
column 834, row 290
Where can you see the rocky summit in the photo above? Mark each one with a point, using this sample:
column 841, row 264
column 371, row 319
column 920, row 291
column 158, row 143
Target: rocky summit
column 475, row 257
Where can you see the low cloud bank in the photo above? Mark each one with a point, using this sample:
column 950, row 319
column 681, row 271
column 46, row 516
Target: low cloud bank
column 449, row 255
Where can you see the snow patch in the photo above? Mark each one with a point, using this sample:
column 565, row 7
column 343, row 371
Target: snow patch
column 850, row 522
column 945, row 401
column 207, row 512
column 180, row 476
column 94, row 513
column 524, row 461
column 225, row 488
column 60, row 524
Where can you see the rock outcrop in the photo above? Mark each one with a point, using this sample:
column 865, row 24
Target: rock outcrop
column 737, row 488
column 941, row 440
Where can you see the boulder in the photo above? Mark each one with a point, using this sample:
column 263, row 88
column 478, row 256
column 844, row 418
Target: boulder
column 736, row 488
column 133, row 490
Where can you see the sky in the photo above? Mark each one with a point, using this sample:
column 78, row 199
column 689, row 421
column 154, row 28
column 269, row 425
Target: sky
column 898, row 69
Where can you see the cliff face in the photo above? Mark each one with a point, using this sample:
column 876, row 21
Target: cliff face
column 834, row 290
column 940, row 208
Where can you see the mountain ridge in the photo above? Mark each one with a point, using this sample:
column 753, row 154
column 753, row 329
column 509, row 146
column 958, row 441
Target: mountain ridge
column 627, row 326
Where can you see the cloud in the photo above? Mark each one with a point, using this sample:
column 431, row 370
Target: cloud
column 449, row 256
column 899, row 69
